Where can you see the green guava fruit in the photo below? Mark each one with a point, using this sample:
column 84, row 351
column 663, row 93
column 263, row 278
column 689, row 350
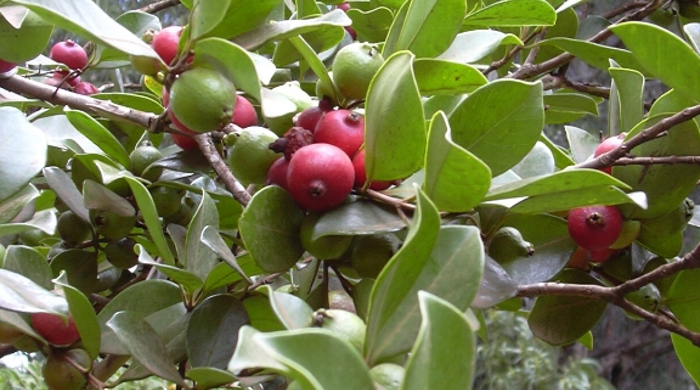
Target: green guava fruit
column 630, row 231
column 111, row 225
column 25, row 43
column 141, row 158
column 72, row 229
column 249, row 155
column 354, row 68
column 203, row 100
column 60, row 374
column 539, row 161
column 387, row 376
column 325, row 247
column 508, row 244
column 648, row 297
column 348, row 326
column 168, row 200
column 120, row 253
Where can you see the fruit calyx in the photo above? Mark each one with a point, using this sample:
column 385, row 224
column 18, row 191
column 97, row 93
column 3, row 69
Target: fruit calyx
column 293, row 140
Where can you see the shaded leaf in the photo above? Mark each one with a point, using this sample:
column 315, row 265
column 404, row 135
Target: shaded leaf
column 22, row 152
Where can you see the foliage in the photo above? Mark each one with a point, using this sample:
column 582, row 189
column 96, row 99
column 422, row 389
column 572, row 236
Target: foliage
column 225, row 292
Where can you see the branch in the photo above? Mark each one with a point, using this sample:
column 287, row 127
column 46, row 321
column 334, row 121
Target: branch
column 616, row 294
column 530, row 71
column 234, row 186
column 668, row 160
column 607, row 159
column 159, row 6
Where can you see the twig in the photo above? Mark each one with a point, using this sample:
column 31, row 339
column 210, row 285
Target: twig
column 668, row 160
column 159, row 6
column 529, row 71
column 616, row 294
column 650, row 133
column 234, row 186
column 390, row 200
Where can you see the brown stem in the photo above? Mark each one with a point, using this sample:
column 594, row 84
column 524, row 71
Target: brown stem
column 234, row 186
column 159, row 6
column 668, row 160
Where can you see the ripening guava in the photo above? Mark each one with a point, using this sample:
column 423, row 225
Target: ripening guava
column 203, row 100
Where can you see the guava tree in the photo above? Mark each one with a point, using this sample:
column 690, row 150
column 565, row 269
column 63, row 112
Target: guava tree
column 276, row 205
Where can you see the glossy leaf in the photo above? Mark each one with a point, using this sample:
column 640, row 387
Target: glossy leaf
column 496, row 286
column 501, row 135
column 22, row 152
column 561, row 320
column 289, row 28
column 84, row 316
column 471, row 46
column 232, row 59
column 144, row 345
column 199, row 260
column 447, row 262
column 20, row 294
column 371, row 25
column 444, row 327
column 99, row 197
column 13, row 206
column 63, row 186
column 99, row 135
column 87, row 19
column 441, row 77
column 269, row 227
column 596, row 55
column 240, row 17
column 148, row 211
column 80, row 267
column 320, row 40
column 209, row 377
column 212, row 239
column 664, row 55
column 513, row 13
column 189, row 281
column 626, row 100
column 682, row 299
column 428, row 27
column 553, row 248
column 206, row 16
column 359, row 217
column 291, row 311
column 455, row 179
column 287, row 352
column 581, row 143
column 29, row 263
column 567, row 107
column 393, row 111
column 212, row 331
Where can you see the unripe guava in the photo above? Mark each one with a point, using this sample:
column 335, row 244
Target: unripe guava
column 146, row 65
column 142, row 157
column 202, row 99
column 72, row 229
column 325, row 247
column 168, row 200
column 595, row 227
column 387, row 376
column 648, row 297
column 250, row 156
column 508, row 244
column 60, row 374
column 348, row 326
column 629, row 233
column 111, row 225
column 120, row 253
column 354, row 67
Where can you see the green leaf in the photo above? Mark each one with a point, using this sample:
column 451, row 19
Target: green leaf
column 663, row 54
column 22, row 152
column 63, row 186
column 189, row 281
column 359, row 217
column 99, row 135
column 428, row 27
column 212, row 331
column 99, row 197
column 199, row 260
column 29, row 263
column 567, row 200
column 455, row 179
column 150, row 216
column 285, row 29
column 205, row 16
column 208, row 377
column 212, row 239
column 11, row 207
column 290, row 310
column 87, row 19
column 240, row 17
column 317, row 66
column 235, row 60
column 500, row 135
column 443, row 328
column 80, row 267
column 665, row 186
column 84, row 316
column 594, row 54
column 581, row 143
column 683, row 299
column 371, row 25
column 567, row 107
column 269, row 227
column 261, row 315
column 513, row 13
column 471, row 46
column 20, row 294
column 626, row 100
column 496, row 286
column 447, row 262
column 287, row 353
column 143, row 344
column 561, row 320
column 142, row 299
column 553, row 247
column 440, row 77
column 394, row 111
column 325, row 38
